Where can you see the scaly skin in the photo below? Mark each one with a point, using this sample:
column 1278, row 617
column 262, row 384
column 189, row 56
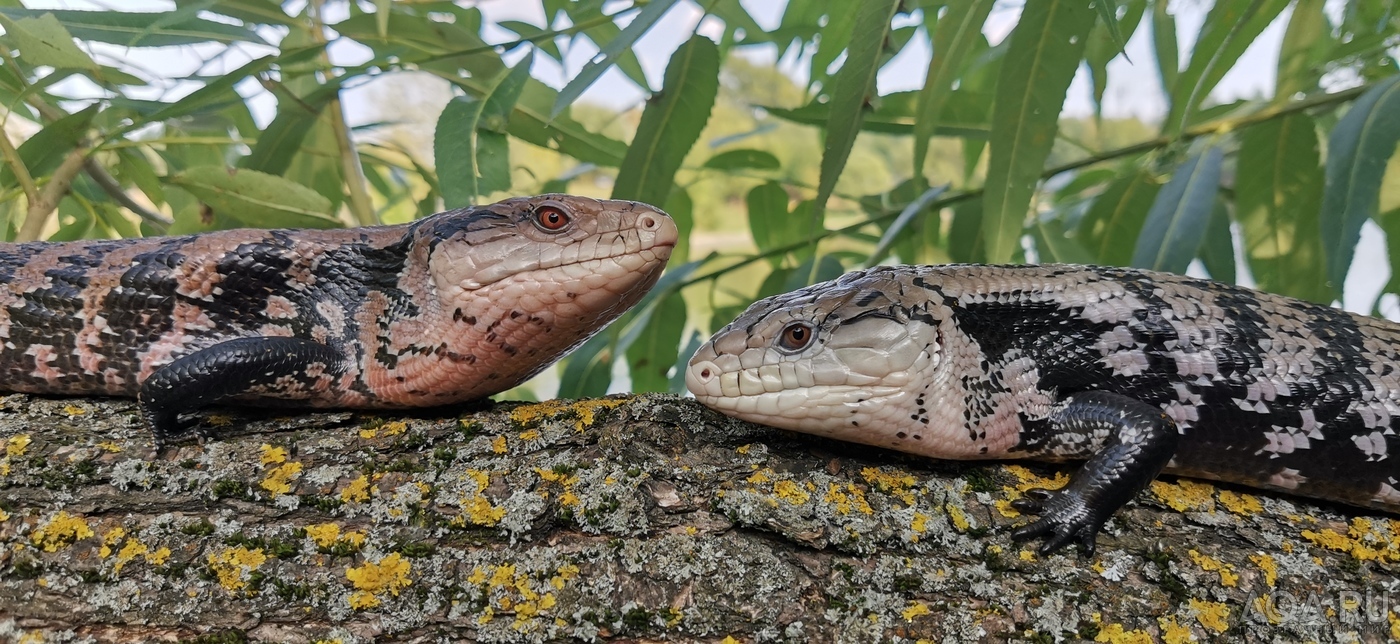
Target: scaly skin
column 1134, row 370
column 453, row 307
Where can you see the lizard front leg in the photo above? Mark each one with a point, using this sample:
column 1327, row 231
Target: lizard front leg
column 1137, row 441
column 277, row 368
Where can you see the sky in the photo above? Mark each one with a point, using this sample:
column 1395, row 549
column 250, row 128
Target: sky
column 1133, row 89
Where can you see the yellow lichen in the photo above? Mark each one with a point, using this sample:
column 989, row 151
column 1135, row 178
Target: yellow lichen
column 791, row 492
column 958, row 517
column 743, row 450
column 1394, row 620
column 273, row 455
column 158, row 557
column 1241, row 504
column 323, row 534
column 1029, row 479
column 480, row 511
column 918, row 525
column 1268, row 566
column 109, row 447
column 915, row 609
column 1185, row 496
column 133, row 549
column 4, row 516
column 847, row 498
column 1173, row 632
column 232, row 566
column 1027, row 555
column 498, row 445
column 388, row 575
column 357, row 491
column 73, row 410
column 896, row 485
column 17, row 445
column 529, row 435
column 109, row 539
column 586, row 411
column 393, row 428
column 60, row 532
column 760, row 477
column 1116, row 634
column 729, row 639
column 1265, row 607
column 279, row 479
column 1212, row 615
column 1228, row 577
column 1004, row 508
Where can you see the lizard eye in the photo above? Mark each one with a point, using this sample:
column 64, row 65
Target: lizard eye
column 796, row 337
column 551, row 219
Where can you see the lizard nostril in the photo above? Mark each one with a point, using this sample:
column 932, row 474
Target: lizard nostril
column 705, row 373
column 648, row 222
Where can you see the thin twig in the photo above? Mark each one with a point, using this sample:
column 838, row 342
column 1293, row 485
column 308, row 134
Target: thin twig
column 17, row 164
column 37, row 217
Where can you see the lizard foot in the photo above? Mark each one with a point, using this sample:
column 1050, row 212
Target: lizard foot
column 1064, row 517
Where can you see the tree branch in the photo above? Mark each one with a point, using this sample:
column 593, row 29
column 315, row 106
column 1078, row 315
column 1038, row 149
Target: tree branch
column 39, row 210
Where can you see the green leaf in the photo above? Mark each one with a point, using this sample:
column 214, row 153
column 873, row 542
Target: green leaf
column 671, row 123
column 1176, row 224
column 964, row 114
column 1308, row 35
column 835, row 38
column 1357, row 151
column 254, row 12
column 1229, row 29
column 682, row 210
column 1106, row 42
column 133, row 166
column 1164, row 44
column 906, row 216
column 257, row 199
column 1110, row 229
column 743, row 159
column 958, row 30
column 677, row 384
column 609, row 52
column 652, row 355
column 769, row 221
column 132, row 29
column 469, row 144
column 219, row 93
column 44, row 151
column 381, row 16
column 1217, row 250
column 966, row 244
column 1278, row 193
column 1045, row 50
column 43, row 41
column 1054, row 246
column 281, row 139
column 851, row 90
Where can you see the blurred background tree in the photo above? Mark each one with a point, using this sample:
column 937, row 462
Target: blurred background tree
column 791, row 139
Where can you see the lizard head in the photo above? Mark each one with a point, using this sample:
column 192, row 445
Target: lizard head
column 844, row 359
column 536, row 276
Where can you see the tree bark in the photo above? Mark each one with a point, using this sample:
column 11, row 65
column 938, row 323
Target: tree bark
column 624, row 519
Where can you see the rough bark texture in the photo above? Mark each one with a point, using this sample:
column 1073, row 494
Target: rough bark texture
column 624, row 519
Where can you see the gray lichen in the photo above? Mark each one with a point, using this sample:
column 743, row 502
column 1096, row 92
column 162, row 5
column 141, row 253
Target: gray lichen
column 625, row 518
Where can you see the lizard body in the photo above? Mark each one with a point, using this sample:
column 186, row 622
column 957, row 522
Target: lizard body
column 1135, row 371
column 452, row 307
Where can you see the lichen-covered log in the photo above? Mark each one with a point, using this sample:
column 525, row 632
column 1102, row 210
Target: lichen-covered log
column 632, row 518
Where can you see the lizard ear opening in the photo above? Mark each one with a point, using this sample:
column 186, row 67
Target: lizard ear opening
column 796, row 336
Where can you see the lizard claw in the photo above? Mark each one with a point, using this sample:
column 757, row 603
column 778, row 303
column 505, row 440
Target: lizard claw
column 1065, row 518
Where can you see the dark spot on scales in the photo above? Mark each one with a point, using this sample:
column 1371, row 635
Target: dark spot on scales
column 902, row 435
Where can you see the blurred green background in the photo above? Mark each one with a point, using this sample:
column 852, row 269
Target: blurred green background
column 1250, row 141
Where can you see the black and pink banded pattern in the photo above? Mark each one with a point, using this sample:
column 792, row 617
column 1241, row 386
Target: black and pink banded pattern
column 452, row 307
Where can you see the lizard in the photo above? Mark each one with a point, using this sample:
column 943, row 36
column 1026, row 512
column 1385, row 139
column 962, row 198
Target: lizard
column 449, row 308
column 1135, row 372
